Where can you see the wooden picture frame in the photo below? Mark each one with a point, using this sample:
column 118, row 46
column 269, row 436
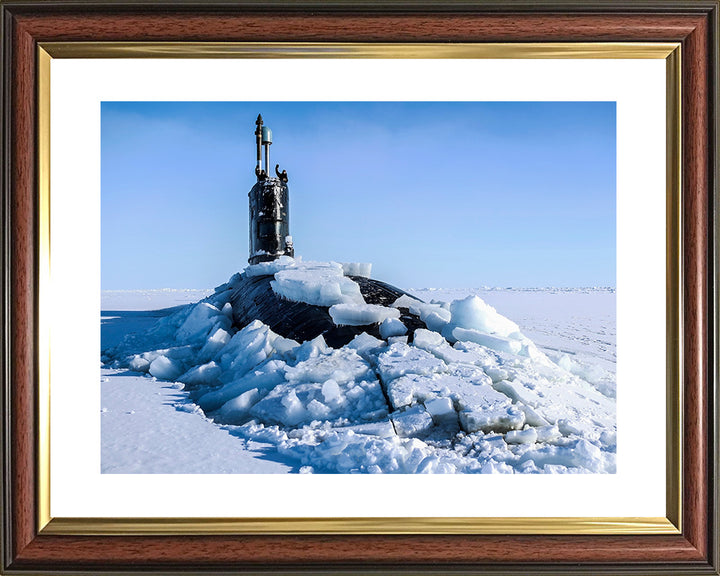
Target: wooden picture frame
column 31, row 545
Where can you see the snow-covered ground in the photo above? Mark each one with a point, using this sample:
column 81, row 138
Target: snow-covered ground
column 502, row 380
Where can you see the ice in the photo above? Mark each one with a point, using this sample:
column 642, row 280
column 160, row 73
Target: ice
column 214, row 344
column 413, row 388
column 392, row 326
column 292, row 404
column 165, row 368
column 343, row 366
column 413, row 422
column 270, row 268
column 460, row 353
column 365, row 345
column 434, row 315
column 361, row 314
column 362, row 269
column 330, row 391
column 203, row 318
column 488, row 410
column 428, row 340
column 488, row 341
column 602, row 379
column 402, row 359
column 205, row 375
column 318, row 283
column 237, row 410
column 471, row 393
column 139, row 364
column 263, row 378
column 474, row 314
column 247, row 348
column 441, row 410
column 528, row 436
column 547, row 433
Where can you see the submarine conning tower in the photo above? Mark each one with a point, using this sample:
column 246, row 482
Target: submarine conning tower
column 269, row 205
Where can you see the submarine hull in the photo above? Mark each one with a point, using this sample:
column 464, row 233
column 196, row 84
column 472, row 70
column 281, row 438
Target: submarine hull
column 254, row 299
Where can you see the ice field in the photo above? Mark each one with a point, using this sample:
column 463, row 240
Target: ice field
column 502, row 380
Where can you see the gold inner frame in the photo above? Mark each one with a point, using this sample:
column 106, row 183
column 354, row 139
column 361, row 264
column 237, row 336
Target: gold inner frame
column 671, row 524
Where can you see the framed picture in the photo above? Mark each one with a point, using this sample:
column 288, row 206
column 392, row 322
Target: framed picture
column 562, row 145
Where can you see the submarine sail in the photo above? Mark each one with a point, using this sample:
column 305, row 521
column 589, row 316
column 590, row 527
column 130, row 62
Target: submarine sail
column 253, row 297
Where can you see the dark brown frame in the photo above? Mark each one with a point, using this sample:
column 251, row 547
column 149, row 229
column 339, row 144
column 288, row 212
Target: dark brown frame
column 27, row 23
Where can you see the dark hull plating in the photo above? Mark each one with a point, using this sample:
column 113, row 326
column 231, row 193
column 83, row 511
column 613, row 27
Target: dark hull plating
column 253, row 299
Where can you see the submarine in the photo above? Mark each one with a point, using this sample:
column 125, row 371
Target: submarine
column 253, row 297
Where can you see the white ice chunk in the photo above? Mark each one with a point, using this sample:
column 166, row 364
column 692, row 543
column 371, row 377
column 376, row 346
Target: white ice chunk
column 462, row 353
column 428, row 340
column 531, row 417
column 262, row 379
column 365, row 344
column 285, row 346
column 341, row 365
column 413, row 388
column 214, row 344
column 204, row 375
column 294, row 410
column 293, row 404
column 548, row 433
column 474, row 314
column 361, row 314
column 392, row 327
column 484, row 409
column 311, row 349
column 139, row 364
column 330, row 391
column 494, row 342
column 247, row 348
column 271, row 267
column 441, row 410
column 318, row 283
column 527, row 436
column 400, row 359
column 414, row 421
column 493, row 467
column 237, row 410
column 203, row 319
column 434, row 315
column 165, row 368
column 362, row 269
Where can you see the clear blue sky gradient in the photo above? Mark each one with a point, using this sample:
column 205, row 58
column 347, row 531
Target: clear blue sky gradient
column 434, row 194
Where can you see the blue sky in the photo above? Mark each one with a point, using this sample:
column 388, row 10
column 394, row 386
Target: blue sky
column 434, row 194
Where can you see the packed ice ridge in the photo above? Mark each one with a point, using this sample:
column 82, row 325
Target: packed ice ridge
column 470, row 394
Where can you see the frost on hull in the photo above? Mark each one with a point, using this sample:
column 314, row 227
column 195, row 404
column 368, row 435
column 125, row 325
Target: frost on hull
column 253, row 298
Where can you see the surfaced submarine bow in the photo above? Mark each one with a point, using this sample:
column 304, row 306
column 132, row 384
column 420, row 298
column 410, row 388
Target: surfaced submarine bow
column 269, row 206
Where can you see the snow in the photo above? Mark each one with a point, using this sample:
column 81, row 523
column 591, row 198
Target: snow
column 151, row 426
column 472, row 393
column 126, row 300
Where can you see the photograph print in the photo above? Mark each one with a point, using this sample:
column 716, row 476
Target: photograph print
column 358, row 287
